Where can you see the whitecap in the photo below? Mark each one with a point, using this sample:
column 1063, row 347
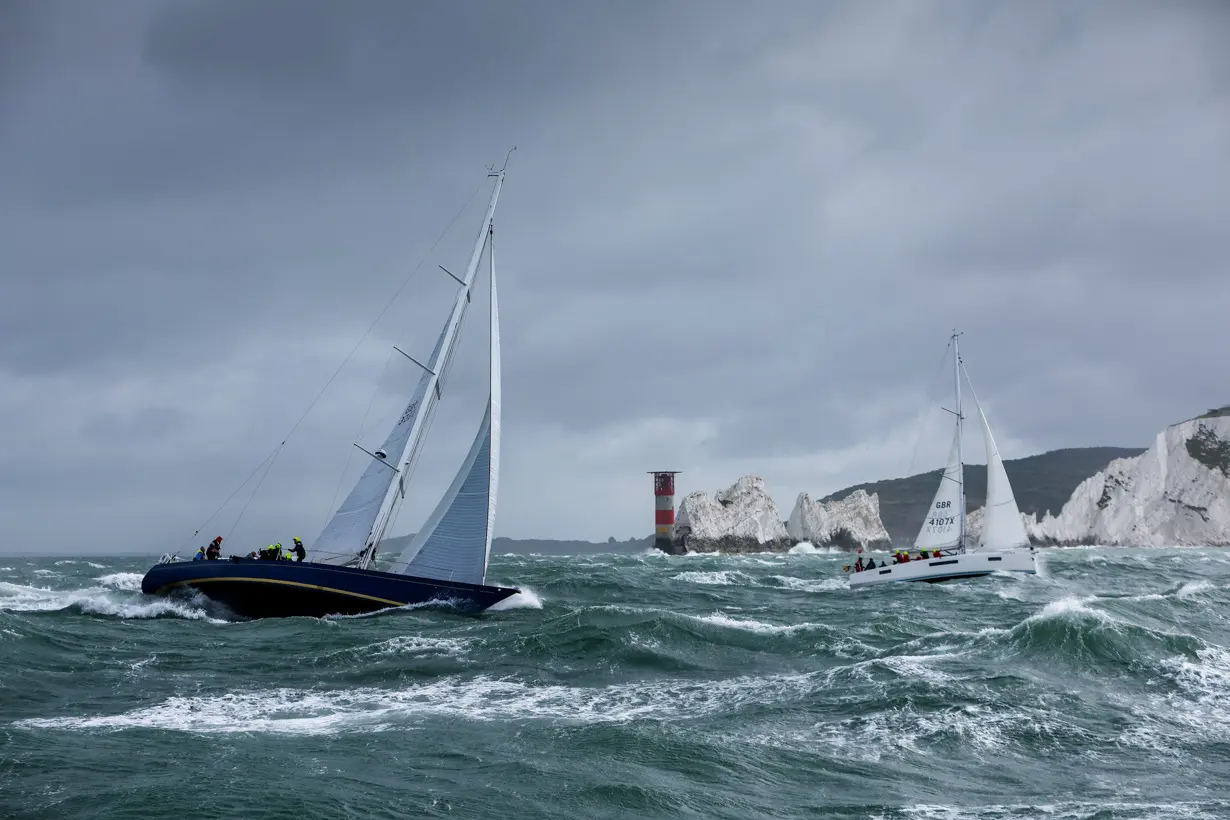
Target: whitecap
column 122, row 580
column 312, row 712
column 724, row 577
column 810, row 584
column 525, row 599
column 749, row 625
column 97, row 601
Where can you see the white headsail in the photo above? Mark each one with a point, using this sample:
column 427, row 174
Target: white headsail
column 1002, row 527
column 360, row 521
column 942, row 527
column 455, row 542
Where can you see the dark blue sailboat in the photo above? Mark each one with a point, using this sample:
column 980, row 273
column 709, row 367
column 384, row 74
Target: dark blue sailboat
column 270, row 589
column 445, row 562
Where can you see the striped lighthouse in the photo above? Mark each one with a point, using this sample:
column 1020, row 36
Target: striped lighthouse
column 664, row 511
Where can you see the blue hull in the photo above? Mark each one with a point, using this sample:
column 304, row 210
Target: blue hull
column 276, row 589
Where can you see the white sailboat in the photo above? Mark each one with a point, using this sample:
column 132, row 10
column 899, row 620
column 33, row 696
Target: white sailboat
column 1004, row 545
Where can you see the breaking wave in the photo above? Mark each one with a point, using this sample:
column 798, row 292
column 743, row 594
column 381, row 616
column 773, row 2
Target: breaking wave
column 115, row 595
column 647, row 685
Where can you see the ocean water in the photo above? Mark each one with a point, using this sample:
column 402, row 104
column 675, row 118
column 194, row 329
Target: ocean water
column 632, row 686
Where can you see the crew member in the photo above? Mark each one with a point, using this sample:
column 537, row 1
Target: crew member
column 298, row 550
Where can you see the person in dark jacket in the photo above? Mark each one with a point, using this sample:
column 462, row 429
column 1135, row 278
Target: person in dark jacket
column 298, row 550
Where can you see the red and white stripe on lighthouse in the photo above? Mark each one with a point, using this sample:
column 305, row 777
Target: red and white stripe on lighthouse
column 664, row 508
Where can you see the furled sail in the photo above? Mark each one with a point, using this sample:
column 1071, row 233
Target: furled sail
column 942, row 527
column 362, row 518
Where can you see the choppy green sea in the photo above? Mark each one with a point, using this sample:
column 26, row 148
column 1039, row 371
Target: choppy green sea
column 741, row 687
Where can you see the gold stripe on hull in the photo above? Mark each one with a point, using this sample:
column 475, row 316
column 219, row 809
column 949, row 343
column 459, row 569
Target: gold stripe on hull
column 195, row 581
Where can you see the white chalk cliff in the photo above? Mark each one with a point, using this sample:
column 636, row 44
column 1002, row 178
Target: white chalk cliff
column 1177, row 493
column 849, row 523
column 744, row 518
column 741, row 518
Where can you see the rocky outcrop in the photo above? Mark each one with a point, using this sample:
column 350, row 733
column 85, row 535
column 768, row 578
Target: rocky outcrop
column 1175, row 494
column 849, row 523
column 741, row 518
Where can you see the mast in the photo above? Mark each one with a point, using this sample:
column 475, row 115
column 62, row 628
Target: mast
column 454, row 543
column 435, row 370
column 956, row 371
column 493, row 392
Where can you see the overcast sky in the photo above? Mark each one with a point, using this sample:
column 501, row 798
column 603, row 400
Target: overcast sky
column 733, row 239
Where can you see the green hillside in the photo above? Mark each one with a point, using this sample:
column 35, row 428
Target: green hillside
column 1041, row 483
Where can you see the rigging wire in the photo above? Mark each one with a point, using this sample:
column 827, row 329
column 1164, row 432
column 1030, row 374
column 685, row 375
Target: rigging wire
column 256, row 488
column 244, row 483
column 973, row 393
column 375, row 391
column 408, row 471
column 930, row 393
column 358, row 434
column 409, row 467
column 273, row 456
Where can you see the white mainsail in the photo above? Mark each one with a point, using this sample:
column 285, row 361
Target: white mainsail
column 360, row 521
column 942, row 527
column 349, row 530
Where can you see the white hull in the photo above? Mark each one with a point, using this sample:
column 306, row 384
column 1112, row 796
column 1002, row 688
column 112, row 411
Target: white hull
column 949, row 567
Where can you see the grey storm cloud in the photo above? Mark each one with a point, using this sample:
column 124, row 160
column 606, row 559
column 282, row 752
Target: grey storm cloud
column 733, row 238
